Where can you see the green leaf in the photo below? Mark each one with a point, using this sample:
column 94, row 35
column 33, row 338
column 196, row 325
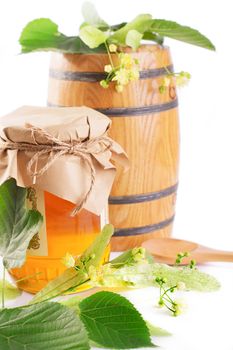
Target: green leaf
column 133, row 38
column 141, row 23
column 91, row 15
column 92, row 37
column 72, row 278
column 17, row 224
column 113, row 322
column 182, row 33
column 115, row 27
column 157, row 331
column 44, row 326
column 153, row 37
column 42, row 35
column 10, row 291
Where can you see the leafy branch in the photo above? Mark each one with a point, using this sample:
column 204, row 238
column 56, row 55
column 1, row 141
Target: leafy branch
column 43, row 35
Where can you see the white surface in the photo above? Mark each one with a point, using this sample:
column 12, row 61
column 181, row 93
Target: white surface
column 206, row 324
column 204, row 207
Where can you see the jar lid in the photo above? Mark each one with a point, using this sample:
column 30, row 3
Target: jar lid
column 64, row 151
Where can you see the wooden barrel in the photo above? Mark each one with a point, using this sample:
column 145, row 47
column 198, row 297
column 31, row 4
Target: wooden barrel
column 145, row 122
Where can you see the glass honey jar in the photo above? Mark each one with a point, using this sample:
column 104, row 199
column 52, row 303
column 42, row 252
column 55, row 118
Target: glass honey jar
column 63, row 157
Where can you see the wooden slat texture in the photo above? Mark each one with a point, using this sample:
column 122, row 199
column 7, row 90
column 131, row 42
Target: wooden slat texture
column 151, row 140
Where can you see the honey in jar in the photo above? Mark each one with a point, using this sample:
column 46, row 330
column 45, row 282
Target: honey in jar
column 59, row 235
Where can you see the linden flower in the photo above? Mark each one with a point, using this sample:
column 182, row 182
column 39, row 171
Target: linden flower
column 68, row 260
column 126, row 60
column 112, row 48
column 138, row 254
column 92, row 273
column 179, row 307
column 181, row 80
column 108, row 68
column 104, row 275
column 126, row 71
column 121, row 76
column 134, row 74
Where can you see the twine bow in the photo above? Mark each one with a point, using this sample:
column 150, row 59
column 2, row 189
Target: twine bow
column 56, row 148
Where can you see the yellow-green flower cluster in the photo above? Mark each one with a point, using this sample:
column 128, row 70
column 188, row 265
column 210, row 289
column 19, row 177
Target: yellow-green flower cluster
column 124, row 73
column 138, row 254
column 107, row 276
column 68, row 260
column 165, row 300
column 174, row 79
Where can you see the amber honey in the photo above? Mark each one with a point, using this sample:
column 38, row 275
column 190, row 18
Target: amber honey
column 65, row 234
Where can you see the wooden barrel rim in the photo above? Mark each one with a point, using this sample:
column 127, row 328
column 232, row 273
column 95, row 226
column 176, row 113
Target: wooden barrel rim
column 132, row 111
column 134, row 231
column 145, row 197
column 93, row 77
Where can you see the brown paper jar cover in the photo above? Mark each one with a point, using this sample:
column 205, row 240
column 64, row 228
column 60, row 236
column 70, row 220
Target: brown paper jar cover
column 68, row 176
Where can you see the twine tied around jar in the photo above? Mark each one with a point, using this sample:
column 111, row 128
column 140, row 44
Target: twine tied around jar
column 56, row 148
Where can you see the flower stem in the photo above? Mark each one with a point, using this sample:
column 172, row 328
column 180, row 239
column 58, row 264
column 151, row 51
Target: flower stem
column 109, row 54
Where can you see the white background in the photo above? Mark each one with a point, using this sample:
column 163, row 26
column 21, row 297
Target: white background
column 204, row 207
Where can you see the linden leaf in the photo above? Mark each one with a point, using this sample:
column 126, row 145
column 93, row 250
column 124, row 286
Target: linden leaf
column 112, row 321
column 42, row 35
column 17, row 224
column 133, row 39
column 91, row 15
column 43, row 326
column 92, row 36
column 157, row 331
column 182, row 33
column 141, row 24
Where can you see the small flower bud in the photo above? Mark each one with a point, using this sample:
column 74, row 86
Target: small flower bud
column 112, row 48
column 160, row 302
column 108, row 68
column 104, row 84
column 68, row 260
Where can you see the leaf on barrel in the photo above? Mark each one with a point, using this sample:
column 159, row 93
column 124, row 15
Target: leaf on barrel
column 42, row 34
column 179, row 32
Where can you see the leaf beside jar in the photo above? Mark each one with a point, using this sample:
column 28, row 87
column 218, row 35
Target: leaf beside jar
column 17, row 224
